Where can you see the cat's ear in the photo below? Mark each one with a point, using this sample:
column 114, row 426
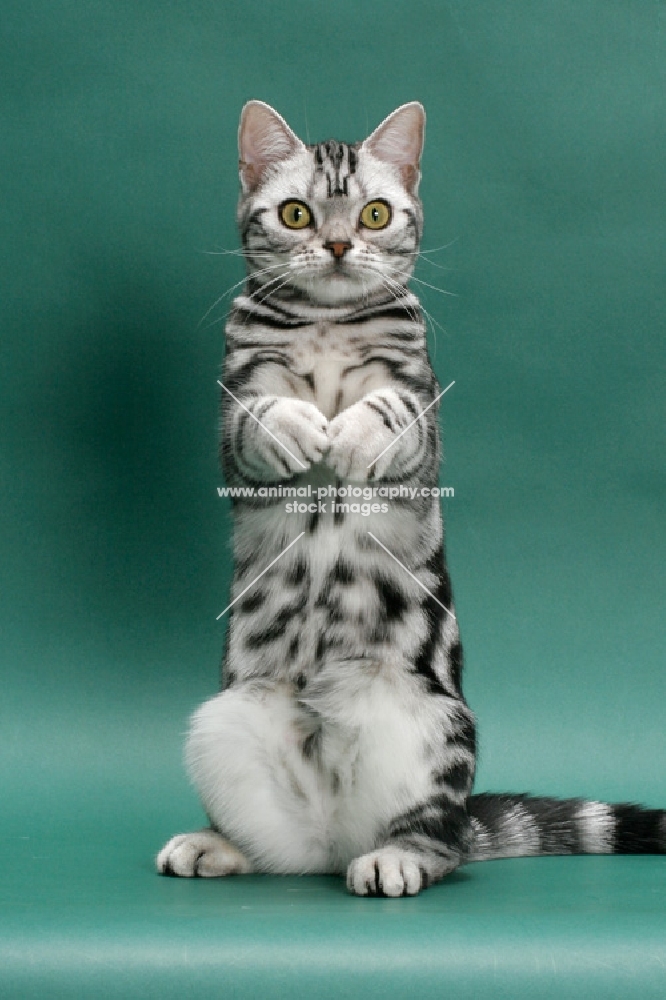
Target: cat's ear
column 399, row 140
column 264, row 138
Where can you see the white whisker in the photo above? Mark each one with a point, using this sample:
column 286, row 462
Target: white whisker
column 264, row 270
column 434, row 263
column 434, row 287
column 445, row 246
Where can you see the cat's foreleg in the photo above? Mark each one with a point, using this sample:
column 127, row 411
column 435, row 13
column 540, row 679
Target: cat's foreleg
column 269, row 437
column 385, row 433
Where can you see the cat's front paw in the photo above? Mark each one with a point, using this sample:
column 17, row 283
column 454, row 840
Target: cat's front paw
column 292, row 436
column 388, row 871
column 204, row 853
column 357, row 437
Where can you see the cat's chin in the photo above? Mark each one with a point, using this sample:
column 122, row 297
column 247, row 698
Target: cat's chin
column 339, row 289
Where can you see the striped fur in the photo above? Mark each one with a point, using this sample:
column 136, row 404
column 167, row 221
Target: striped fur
column 516, row 826
column 341, row 740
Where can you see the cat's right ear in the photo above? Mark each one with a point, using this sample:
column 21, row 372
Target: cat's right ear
column 264, row 138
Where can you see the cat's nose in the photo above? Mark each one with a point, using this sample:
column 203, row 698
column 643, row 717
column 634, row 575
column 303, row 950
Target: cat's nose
column 338, row 247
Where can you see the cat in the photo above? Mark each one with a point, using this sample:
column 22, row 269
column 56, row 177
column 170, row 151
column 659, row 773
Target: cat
column 341, row 741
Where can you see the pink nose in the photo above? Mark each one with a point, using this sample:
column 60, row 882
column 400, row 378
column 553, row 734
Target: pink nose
column 338, row 247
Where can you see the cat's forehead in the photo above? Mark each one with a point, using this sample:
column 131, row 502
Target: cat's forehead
column 333, row 174
column 335, row 166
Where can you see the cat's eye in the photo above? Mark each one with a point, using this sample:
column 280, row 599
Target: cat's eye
column 295, row 214
column 376, row 215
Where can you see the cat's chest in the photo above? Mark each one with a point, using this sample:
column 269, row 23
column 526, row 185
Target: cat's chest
column 332, row 364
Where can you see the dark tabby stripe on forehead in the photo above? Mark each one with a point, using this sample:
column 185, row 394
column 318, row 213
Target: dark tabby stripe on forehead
column 337, row 161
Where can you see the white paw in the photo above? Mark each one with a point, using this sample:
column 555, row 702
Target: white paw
column 299, row 427
column 357, row 436
column 388, row 871
column 204, row 853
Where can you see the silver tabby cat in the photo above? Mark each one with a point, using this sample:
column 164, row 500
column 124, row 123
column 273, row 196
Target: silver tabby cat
column 341, row 741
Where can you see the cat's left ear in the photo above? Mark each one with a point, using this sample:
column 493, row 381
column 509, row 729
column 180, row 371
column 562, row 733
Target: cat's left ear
column 264, row 138
column 399, row 140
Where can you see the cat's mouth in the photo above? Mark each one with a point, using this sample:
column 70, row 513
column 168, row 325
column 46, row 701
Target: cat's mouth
column 336, row 281
column 339, row 268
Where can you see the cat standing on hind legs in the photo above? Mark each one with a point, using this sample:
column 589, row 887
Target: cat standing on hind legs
column 341, row 741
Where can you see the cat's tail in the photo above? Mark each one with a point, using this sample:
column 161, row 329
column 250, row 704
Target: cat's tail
column 519, row 826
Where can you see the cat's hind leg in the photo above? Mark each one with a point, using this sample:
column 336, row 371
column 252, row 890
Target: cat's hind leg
column 387, row 871
column 203, row 853
column 247, row 754
column 427, row 844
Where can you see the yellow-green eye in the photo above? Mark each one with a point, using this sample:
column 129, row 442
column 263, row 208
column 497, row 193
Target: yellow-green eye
column 295, row 214
column 376, row 215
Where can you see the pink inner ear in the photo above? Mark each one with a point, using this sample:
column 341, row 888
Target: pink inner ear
column 263, row 138
column 399, row 139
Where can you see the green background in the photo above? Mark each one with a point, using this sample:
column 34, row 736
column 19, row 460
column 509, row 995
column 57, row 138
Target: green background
column 544, row 181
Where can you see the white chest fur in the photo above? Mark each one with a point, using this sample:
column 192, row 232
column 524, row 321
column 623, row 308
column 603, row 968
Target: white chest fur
column 330, row 359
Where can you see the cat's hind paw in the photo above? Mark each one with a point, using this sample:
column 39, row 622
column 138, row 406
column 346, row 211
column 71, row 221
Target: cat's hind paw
column 204, row 853
column 388, row 871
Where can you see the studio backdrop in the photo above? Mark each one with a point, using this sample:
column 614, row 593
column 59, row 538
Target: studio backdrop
column 543, row 191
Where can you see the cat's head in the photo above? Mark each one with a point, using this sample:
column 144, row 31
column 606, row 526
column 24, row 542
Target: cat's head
column 334, row 222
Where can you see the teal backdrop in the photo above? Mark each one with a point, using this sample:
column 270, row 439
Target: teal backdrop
column 543, row 187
